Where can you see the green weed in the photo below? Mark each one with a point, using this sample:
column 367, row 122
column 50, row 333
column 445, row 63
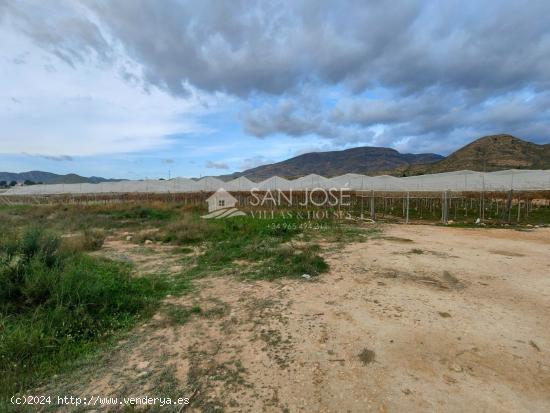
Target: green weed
column 55, row 305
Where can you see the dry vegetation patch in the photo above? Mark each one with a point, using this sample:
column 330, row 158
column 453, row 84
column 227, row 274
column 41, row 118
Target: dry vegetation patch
column 414, row 318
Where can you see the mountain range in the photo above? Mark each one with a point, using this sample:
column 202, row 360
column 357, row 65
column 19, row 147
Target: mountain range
column 489, row 153
column 366, row 160
column 51, row 178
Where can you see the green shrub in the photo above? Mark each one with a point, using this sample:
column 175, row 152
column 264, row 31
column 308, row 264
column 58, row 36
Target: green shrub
column 297, row 261
column 261, row 242
column 190, row 229
column 88, row 240
column 55, row 304
column 93, row 239
column 149, row 213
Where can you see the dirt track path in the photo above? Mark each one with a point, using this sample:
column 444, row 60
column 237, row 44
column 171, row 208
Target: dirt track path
column 456, row 319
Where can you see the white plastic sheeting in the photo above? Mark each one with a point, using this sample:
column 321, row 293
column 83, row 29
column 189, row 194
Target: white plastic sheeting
column 311, row 181
column 452, row 181
column 275, row 182
column 240, row 184
column 210, row 184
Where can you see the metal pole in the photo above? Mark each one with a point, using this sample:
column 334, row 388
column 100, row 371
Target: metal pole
column 362, row 199
column 483, row 198
column 444, row 212
column 510, row 194
column 372, row 212
column 407, row 217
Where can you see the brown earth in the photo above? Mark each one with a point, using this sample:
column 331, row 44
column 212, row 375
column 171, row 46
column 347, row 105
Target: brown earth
column 418, row 318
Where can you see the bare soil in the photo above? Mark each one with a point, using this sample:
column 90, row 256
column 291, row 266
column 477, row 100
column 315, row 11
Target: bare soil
column 419, row 318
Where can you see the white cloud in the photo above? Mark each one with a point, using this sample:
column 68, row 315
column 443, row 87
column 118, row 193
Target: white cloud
column 89, row 111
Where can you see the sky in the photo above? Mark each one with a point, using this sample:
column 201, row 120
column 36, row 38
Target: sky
column 147, row 89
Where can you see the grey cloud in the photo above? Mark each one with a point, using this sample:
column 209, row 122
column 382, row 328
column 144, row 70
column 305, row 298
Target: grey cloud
column 62, row 27
column 298, row 118
column 285, row 117
column 216, row 165
column 432, row 121
column 20, row 59
column 447, row 71
column 369, row 113
column 454, row 124
column 274, row 47
column 57, row 158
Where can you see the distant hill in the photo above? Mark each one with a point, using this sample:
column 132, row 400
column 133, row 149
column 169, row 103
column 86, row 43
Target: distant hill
column 365, row 160
column 51, row 178
column 489, row 153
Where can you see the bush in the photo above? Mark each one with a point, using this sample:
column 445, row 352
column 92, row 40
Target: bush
column 263, row 242
column 88, row 240
column 190, row 229
column 93, row 239
column 297, row 261
column 144, row 213
column 54, row 304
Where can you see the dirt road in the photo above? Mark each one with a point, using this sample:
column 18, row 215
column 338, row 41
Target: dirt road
column 418, row 318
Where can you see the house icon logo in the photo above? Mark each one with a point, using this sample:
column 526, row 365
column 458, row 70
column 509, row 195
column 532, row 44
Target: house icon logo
column 221, row 204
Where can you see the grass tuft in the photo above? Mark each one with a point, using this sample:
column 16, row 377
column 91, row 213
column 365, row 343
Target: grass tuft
column 367, row 356
column 265, row 244
column 180, row 315
column 55, row 304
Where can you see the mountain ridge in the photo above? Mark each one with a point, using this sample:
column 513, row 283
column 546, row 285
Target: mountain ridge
column 488, row 153
column 364, row 159
column 51, row 178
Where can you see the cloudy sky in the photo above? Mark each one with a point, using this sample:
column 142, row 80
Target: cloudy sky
column 138, row 88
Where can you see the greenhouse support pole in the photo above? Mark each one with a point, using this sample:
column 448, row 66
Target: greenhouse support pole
column 407, row 216
column 509, row 205
column 444, row 209
column 372, row 212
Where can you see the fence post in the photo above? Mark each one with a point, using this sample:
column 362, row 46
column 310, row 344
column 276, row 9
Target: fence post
column 510, row 196
column 372, row 212
column 407, row 217
column 444, row 212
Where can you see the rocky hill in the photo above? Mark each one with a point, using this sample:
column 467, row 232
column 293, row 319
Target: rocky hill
column 365, row 160
column 489, row 153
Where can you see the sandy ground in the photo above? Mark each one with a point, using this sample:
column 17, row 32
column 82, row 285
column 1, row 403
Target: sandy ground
column 418, row 318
